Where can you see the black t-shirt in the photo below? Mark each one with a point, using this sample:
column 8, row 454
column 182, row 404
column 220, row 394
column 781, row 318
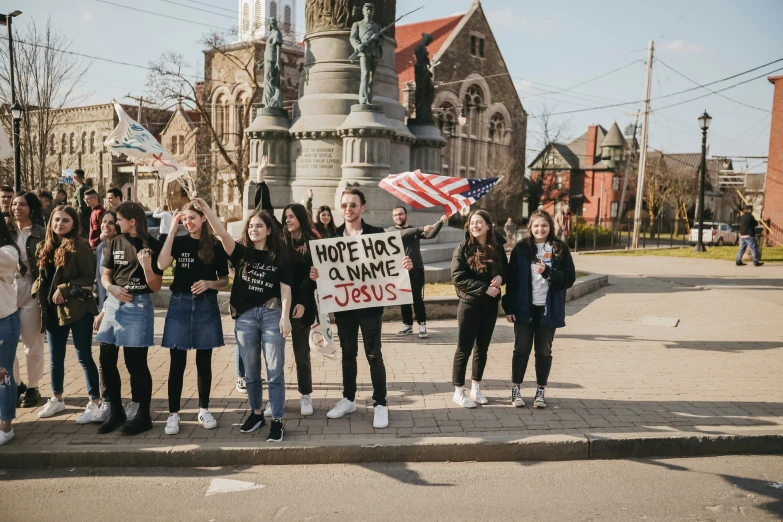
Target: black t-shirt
column 256, row 282
column 190, row 268
column 120, row 257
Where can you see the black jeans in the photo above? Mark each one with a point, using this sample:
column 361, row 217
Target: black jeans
column 476, row 325
column 526, row 336
column 300, row 339
column 140, row 377
column 348, row 325
column 417, row 285
column 179, row 359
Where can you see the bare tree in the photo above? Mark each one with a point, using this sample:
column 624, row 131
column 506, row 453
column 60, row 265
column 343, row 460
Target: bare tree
column 684, row 185
column 657, row 188
column 47, row 79
column 170, row 79
column 544, row 187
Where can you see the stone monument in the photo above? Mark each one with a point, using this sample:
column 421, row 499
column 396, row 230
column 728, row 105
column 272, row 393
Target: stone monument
column 426, row 152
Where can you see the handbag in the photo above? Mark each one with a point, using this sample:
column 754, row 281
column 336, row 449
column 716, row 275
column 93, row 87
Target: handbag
column 322, row 336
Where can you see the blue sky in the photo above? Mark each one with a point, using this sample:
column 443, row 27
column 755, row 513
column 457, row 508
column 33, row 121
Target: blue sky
column 548, row 46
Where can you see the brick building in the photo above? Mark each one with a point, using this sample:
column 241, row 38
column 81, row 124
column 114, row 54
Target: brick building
column 773, row 193
column 472, row 85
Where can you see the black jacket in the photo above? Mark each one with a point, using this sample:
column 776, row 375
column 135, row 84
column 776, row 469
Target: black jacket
column 411, row 240
column 366, row 229
column 472, row 286
column 747, row 224
column 303, row 288
column 519, row 286
column 263, row 201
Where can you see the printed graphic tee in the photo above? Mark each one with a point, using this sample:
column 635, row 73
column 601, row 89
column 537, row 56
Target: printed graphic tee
column 120, row 256
column 256, row 282
column 540, row 285
column 190, row 268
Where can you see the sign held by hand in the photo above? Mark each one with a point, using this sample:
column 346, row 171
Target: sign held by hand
column 357, row 272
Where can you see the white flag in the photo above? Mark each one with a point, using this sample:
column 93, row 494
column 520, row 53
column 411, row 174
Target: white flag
column 136, row 142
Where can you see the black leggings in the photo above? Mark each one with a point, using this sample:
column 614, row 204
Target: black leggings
column 136, row 363
column 526, row 336
column 476, row 325
column 300, row 339
column 179, row 359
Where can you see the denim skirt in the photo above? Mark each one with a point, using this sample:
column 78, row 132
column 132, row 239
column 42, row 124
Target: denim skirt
column 128, row 324
column 193, row 321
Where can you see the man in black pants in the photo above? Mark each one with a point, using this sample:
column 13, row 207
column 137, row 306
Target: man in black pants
column 411, row 240
column 369, row 320
column 747, row 232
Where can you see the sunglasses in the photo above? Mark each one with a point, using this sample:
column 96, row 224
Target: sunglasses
column 346, row 205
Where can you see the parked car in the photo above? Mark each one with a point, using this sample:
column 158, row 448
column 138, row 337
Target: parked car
column 717, row 234
column 153, row 226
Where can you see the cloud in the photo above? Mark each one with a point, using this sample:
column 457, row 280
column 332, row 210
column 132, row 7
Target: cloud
column 85, row 15
column 680, row 46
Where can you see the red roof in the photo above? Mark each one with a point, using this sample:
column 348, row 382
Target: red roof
column 408, row 37
column 195, row 116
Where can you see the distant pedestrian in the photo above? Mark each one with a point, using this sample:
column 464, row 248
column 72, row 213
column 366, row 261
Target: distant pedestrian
column 96, row 216
column 45, row 197
column 563, row 224
column 60, row 198
column 478, row 268
column 510, row 228
column 80, row 204
column 113, row 198
column 6, row 196
column 165, row 222
column 747, row 230
column 540, row 271
column 324, row 223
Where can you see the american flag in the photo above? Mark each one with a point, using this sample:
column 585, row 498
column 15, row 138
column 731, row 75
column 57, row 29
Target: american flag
column 431, row 190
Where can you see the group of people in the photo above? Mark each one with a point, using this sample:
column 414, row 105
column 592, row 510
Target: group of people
column 55, row 280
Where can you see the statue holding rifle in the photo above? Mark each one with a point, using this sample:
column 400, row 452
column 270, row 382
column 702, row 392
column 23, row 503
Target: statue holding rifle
column 368, row 47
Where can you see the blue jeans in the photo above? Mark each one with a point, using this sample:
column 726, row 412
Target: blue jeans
column 258, row 330
column 9, row 338
column 128, row 324
column 240, row 364
column 745, row 243
column 57, row 337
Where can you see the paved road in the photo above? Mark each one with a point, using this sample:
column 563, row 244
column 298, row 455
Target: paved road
column 717, row 488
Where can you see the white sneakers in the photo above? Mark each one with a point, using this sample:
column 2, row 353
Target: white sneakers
column 381, row 419
column 461, row 399
column 6, row 437
column 102, row 414
column 172, row 424
column 89, row 413
column 206, row 419
column 306, row 405
column 52, row 406
column 422, row 330
column 268, row 410
column 341, row 408
column 131, row 409
column 476, row 395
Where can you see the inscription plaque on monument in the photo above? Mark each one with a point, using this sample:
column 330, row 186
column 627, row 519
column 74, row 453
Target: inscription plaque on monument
column 318, row 159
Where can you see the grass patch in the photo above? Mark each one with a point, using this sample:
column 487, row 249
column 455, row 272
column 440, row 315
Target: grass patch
column 725, row 253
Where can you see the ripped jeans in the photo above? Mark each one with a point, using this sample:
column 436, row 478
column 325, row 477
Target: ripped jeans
column 9, row 338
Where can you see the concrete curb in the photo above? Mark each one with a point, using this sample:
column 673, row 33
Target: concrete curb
column 438, row 449
column 438, row 307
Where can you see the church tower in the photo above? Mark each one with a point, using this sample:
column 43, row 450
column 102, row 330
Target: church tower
column 253, row 15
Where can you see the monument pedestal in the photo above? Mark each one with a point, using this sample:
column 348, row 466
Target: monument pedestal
column 426, row 151
column 270, row 137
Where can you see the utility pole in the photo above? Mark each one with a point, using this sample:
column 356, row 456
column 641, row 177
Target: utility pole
column 628, row 162
column 141, row 101
column 637, row 216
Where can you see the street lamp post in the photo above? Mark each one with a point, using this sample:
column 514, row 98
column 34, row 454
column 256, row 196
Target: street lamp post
column 704, row 122
column 16, row 109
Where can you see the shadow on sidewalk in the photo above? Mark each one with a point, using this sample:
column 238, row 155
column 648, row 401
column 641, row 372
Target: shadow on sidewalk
column 717, row 346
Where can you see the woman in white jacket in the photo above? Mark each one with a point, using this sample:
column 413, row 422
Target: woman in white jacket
column 9, row 330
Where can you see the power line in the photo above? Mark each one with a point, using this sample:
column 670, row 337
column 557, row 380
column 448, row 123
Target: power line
column 713, row 92
column 162, row 15
column 697, row 2
column 591, row 79
column 212, row 5
column 199, row 9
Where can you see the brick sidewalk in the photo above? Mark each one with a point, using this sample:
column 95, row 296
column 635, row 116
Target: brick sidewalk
column 720, row 371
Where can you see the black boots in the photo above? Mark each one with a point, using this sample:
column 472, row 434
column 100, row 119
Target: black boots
column 116, row 418
column 141, row 422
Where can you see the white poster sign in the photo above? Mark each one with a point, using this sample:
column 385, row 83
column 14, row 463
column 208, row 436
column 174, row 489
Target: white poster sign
column 361, row 272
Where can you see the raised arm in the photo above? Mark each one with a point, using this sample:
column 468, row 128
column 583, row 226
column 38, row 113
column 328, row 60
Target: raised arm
column 433, row 230
column 165, row 258
column 228, row 242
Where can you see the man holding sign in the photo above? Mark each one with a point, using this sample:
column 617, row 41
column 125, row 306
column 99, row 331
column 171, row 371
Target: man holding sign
column 357, row 276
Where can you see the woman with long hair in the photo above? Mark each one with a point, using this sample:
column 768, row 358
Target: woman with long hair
column 477, row 269
column 324, row 223
column 260, row 305
column 130, row 278
column 193, row 318
column 109, row 230
column 9, row 330
column 26, row 225
column 66, row 266
column 540, row 271
column 298, row 231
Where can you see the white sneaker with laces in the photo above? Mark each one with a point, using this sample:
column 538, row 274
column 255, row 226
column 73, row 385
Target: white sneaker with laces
column 102, row 414
column 206, row 419
column 6, row 437
column 306, row 405
column 51, row 407
column 341, row 408
column 241, row 385
column 476, row 395
column 423, row 331
column 172, row 424
column 461, row 398
column 539, row 401
column 268, row 410
column 131, row 409
column 516, row 397
column 381, row 419
column 89, row 413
